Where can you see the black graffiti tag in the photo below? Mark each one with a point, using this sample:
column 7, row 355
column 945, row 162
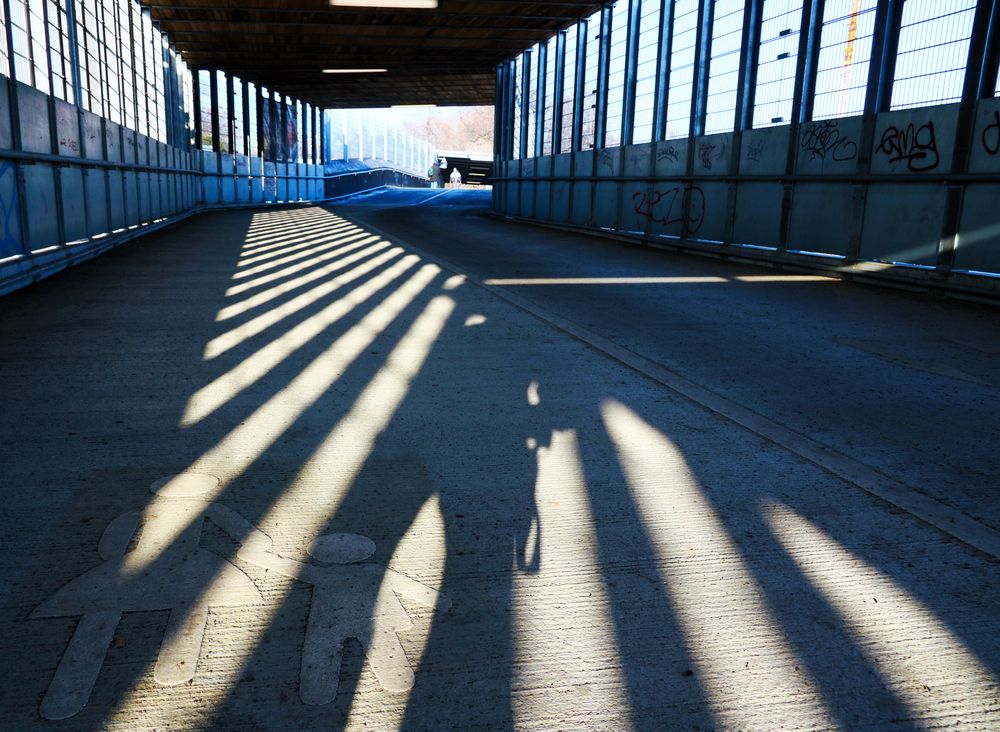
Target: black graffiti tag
column 755, row 150
column 991, row 135
column 706, row 153
column 916, row 145
column 822, row 139
column 668, row 153
column 678, row 205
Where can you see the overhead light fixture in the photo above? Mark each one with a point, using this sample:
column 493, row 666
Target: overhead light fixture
column 354, row 71
column 413, row 106
column 386, row 3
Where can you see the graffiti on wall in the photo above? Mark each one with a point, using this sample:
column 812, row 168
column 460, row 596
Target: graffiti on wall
column 10, row 223
column 710, row 153
column 991, row 135
column 915, row 145
column 605, row 160
column 755, row 150
column 824, row 141
column 683, row 205
column 668, row 152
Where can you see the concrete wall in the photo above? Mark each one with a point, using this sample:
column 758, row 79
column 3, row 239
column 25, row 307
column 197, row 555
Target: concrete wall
column 833, row 194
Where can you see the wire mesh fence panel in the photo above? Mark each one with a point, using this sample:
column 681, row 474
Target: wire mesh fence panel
column 569, row 91
column 589, row 121
column 645, row 78
column 724, row 65
column 681, row 80
column 777, row 62
column 548, row 112
column 518, row 99
column 616, row 74
column 532, row 98
column 933, row 50
column 844, row 57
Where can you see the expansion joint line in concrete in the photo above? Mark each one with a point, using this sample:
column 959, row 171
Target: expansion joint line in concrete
column 952, row 522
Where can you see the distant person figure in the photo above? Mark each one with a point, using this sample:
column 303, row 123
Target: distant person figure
column 456, row 178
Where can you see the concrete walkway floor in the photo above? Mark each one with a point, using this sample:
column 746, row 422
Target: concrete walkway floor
column 388, row 465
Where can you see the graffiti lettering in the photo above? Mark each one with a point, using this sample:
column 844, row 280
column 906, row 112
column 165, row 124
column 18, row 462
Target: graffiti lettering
column 991, row 135
column 668, row 153
column 915, row 145
column 754, row 150
column 684, row 206
column 706, row 151
column 70, row 143
column 822, row 139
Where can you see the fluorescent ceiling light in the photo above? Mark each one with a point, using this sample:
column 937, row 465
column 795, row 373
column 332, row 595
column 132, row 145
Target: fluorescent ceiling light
column 386, row 3
column 413, row 106
column 354, row 71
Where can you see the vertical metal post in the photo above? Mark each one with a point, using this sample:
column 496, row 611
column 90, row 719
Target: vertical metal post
column 882, row 68
column 245, row 102
column 499, row 103
column 543, row 56
column 580, row 85
column 231, row 115
column 664, row 47
column 603, row 70
column 53, row 132
column 321, row 118
column 631, row 70
column 261, row 102
column 749, row 61
column 525, row 90
column 557, row 93
column 196, row 102
column 987, row 83
column 802, row 61
column 74, row 51
column 48, row 48
column 213, row 85
column 810, row 64
column 972, row 89
column 702, row 62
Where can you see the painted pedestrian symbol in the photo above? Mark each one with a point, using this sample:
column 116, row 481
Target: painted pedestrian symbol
column 352, row 599
column 166, row 570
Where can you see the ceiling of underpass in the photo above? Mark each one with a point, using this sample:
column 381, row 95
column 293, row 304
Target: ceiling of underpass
column 445, row 55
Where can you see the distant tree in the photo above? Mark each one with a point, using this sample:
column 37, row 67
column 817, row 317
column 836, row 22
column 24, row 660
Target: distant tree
column 469, row 129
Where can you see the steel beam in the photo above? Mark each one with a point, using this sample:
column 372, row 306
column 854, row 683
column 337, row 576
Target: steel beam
column 525, row 89
column 802, row 61
column 664, row 46
column 702, row 58
column 603, row 70
column 749, row 62
column 557, row 93
column 631, row 70
column 543, row 56
column 213, row 85
column 579, row 84
column 810, row 63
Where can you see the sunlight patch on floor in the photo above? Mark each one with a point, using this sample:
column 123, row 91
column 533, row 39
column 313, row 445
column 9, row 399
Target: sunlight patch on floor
column 926, row 665
column 567, row 664
column 256, row 366
column 744, row 663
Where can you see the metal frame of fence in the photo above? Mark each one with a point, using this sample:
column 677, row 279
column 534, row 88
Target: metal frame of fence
column 898, row 173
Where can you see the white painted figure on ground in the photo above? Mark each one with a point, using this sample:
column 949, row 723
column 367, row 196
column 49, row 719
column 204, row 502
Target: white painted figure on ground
column 350, row 600
column 166, row 570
